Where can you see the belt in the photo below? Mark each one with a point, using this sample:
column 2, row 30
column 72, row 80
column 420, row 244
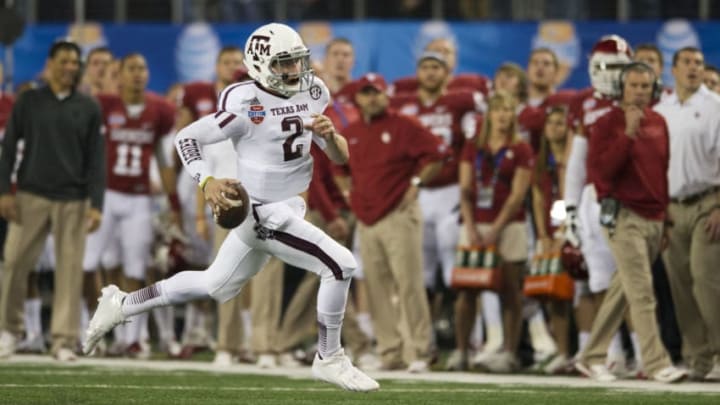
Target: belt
column 693, row 198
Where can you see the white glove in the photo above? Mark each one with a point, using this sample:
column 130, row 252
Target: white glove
column 572, row 227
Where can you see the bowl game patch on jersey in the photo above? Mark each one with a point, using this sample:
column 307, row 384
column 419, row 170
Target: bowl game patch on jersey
column 256, row 112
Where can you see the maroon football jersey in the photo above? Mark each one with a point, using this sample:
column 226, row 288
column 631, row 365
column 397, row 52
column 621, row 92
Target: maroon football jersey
column 584, row 114
column 200, row 98
column 130, row 140
column 444, row 118
column 6, row 103
column 461, row 82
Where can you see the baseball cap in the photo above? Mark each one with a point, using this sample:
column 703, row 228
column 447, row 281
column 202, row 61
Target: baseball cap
column 373, row 80
column 432, row 55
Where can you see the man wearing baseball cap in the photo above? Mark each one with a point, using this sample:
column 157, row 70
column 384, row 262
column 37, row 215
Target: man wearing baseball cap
column 391, row 155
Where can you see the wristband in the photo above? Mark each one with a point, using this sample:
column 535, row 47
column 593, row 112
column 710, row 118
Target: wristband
column 174, row 201
column 204, row 181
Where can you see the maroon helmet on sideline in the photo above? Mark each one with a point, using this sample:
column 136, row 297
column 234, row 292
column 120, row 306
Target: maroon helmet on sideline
column 573, row 262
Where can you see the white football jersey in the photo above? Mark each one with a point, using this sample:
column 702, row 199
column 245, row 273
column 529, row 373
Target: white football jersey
column 269, row 136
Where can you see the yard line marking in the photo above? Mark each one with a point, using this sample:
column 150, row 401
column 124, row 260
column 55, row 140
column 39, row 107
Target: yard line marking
column 277, row 389
column 91, row 365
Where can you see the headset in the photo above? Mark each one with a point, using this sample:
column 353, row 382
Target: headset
column 657, row 84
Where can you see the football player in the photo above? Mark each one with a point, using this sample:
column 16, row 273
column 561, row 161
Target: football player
column 464, row 81
column 450, row 116
column 271, row 121
column 135, row 122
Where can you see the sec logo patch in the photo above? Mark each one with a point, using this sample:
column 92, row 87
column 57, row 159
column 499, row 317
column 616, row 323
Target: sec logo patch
column 315, row 92
column 256, row 114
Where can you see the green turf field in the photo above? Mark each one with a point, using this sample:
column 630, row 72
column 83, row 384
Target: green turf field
column 34, row 384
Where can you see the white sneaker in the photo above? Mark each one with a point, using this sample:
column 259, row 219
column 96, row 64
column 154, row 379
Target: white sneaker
column 337, row 369
column 556, row 365
column 481, row 357
column 618, row 366
column 597, row 372
column 267, row 361
column 139, row 350
column 288, row 360
column 223, row 359
column 32, row 344
column 171, row 347
column 107, row 315
column 457, row 361
column 8, row 342
column 65, row 355
column 670, row 374
column 714, row 374
column 418, row 366
column 502, row 363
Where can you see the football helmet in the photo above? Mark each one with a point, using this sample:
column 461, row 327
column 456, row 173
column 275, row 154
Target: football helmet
column 609, row 55
column 573, row 262
column 277, row 58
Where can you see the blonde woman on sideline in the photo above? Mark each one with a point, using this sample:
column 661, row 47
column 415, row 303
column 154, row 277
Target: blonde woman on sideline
column 495, row 172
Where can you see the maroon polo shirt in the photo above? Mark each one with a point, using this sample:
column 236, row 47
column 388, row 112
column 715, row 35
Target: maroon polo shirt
column 385, row 154
column 632, row 170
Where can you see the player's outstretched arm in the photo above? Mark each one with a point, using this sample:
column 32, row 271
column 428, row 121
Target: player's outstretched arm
column 336, row 145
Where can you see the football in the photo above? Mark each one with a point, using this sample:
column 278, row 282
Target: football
column 235, row 215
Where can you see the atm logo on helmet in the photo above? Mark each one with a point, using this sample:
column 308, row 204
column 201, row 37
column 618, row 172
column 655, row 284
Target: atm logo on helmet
column 259, row 45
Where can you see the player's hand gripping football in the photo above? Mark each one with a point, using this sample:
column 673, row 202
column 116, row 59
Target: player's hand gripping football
column 322, row 126
column 217, row 189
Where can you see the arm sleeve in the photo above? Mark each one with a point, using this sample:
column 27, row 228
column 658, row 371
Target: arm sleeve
column 207, row 130
column 576, row 173
column 13, row 132
column 96, row 153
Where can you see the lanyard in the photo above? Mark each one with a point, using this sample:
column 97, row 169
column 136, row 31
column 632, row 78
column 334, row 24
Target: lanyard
column 552, row 167
column 497, row 160
column 340, row 113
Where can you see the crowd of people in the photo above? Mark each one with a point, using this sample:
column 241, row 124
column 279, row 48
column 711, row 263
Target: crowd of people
column 615, row 187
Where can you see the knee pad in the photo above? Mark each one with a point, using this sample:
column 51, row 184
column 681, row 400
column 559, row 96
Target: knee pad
column 345, row 261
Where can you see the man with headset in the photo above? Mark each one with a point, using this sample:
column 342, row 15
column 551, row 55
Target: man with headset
column 629, row 148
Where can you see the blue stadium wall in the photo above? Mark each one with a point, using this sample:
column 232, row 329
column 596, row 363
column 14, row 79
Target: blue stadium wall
column 183, row 53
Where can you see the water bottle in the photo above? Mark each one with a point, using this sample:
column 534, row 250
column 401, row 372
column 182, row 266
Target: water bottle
column 490, row 258
column 555, row 263
column 461, row 257
column 535, row 265
column 475, row 257
column 544, row 264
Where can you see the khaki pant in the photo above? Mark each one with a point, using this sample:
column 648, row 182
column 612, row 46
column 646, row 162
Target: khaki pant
column 266, row 306
column 634, row 245
column 391, row 251
column 230, row 326
column 512, row 240
column 38, row 217
column 693, row 268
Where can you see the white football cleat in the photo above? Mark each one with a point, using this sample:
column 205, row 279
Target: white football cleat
column 107, row 315
column 337, row 369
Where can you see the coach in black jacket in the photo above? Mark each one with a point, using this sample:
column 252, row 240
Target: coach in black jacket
column 63, row 166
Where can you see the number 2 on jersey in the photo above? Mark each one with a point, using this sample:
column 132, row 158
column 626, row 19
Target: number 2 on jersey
column 128, row 162
column 292, row 124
